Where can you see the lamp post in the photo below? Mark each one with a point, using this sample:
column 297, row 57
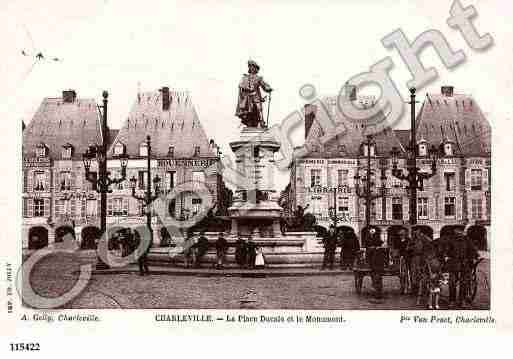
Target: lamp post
column 366, row 191
column 414, row 178
column 103, row 181
column 148, row 197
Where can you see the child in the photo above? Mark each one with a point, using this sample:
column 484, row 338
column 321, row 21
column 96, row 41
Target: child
column 435, row 280
column 259, row 259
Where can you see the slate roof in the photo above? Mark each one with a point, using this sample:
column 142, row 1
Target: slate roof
column 179, row 127
column 456, row 118
column 56, row 123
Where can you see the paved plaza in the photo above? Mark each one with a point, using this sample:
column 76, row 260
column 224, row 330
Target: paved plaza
column 57, row 273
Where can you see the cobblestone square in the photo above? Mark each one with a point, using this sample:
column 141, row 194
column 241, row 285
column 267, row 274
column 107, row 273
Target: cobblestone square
column 58, row 272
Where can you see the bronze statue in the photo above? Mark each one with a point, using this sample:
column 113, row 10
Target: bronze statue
column 249, row 106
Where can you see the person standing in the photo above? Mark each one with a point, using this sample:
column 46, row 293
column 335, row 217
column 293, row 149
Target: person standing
column 142, row 261
column 240, row 252
column 221, row 247
column 250, row 253
column 201, row 249
column 377, row 259
column 416, row 248
column 348, row 250
column 189, row 251
column 461, row 253
column 330, row 246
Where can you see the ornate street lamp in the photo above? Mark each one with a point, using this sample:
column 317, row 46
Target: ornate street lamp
column 366, row 190
column 414, row 178
column 103, row 182
column 148, row 197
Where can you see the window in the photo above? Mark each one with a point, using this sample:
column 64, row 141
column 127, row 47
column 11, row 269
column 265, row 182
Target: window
column 477, row 208
column 315, row 177
column 67, row 151
column 170, row 180
column 65, row 181
column 198, row 176
column 365, row 148
column 91, row 208
column 476, row 180
column 422, row 208
column 342, row 177
column 143, row 149
column 143, row 178
column 422, row 149
column 449, row 179
column 63, row 208
column 93, row 175
column 41, row 150
column 256, row 152
column 343, row 207
column 119, row 149
column 448, row 149
column 171, row 151
column 196, row 151
column 39, row 181
column 196, row 206
column 373, row 210
column 39, row 207
column 397, row 208
column 316, row 206
column 117, row 207
column 450, row 206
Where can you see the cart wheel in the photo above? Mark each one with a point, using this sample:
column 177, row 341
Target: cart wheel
column 358, row 280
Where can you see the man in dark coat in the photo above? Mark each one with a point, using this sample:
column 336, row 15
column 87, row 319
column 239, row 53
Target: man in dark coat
column 142, row 260
column 461, row 253
column 376, row 257
column 240, row 252
column 349, row 248
column 221, row 247
column 250, row 253
column 201, row 248
column 330, row 246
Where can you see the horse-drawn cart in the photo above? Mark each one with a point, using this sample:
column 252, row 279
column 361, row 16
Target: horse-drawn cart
column 371, row 260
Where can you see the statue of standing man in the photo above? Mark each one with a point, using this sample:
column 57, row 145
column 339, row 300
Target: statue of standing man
column 249, row 106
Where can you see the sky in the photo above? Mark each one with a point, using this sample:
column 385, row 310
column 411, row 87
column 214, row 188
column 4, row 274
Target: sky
column 203, row 47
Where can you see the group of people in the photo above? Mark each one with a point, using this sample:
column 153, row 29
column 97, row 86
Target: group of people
column 247, row 253
column 427, row 260
column 349, row 248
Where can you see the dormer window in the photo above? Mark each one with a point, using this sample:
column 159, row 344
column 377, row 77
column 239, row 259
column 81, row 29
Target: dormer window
column 171, row 151
column 423, row 148
column 143, row 149
column 342, row 149
column 365, row 149
column 119, row 149
column 41, row 150
column 67, row 151
column 196, row 151
column 448, row 149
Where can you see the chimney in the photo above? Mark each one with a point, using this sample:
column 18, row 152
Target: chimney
column 165, row 98
column 447, row 91
column 310, row 112
column 69, row 96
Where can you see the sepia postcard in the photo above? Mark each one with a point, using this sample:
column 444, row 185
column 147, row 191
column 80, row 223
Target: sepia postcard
column 174, row 167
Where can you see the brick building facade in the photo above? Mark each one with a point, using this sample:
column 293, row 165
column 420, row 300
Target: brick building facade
column 458, row 195
column 58, row 200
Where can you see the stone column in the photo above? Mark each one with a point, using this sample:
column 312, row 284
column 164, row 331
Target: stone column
column 235, row 229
